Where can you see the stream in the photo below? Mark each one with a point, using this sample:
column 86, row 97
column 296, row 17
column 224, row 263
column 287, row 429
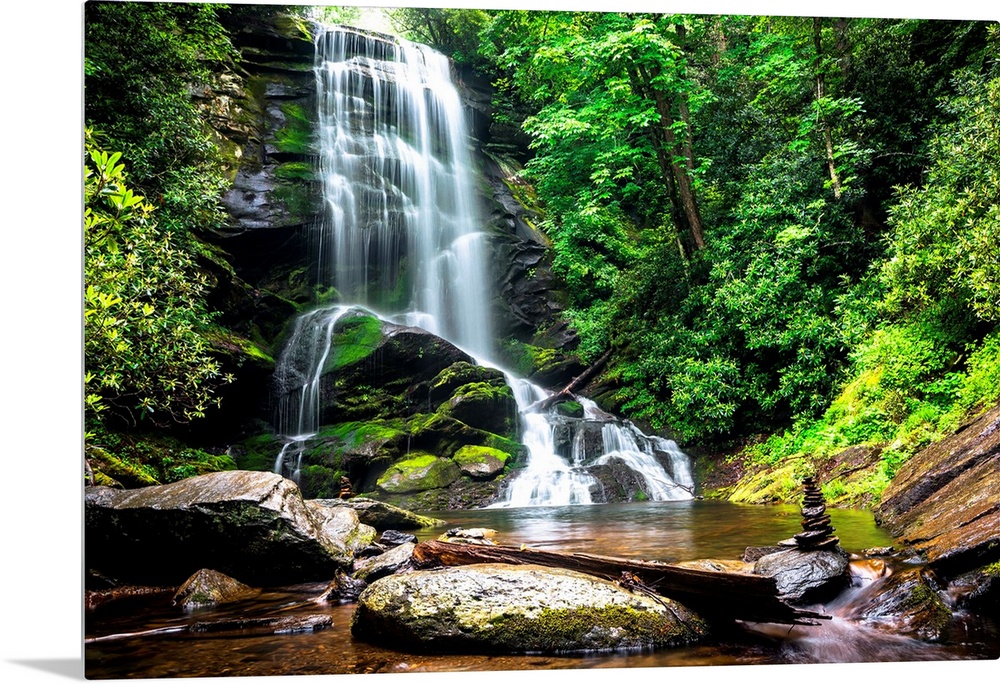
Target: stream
column 667, row 531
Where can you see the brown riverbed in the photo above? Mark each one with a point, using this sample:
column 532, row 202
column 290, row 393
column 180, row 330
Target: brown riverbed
column 668, row 531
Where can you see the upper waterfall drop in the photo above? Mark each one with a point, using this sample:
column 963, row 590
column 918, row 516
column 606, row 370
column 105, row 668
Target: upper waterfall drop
column 397, row 181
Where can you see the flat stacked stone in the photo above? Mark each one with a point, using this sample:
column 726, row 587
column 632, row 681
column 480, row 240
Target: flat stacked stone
column 817, row 531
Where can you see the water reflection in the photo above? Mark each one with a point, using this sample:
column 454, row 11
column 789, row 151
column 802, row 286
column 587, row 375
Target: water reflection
column 660, row 530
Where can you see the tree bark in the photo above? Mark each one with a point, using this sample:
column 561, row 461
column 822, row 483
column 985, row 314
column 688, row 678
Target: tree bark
column 574, row 384
column 714, row 595
column 820, row 94
column 675, row 150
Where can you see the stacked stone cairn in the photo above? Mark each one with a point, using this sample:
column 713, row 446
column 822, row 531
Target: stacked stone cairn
column 817, row 531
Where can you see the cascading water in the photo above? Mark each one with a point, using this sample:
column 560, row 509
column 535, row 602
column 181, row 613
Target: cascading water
column 402, row 237
column 397, row 180
column 298, row 371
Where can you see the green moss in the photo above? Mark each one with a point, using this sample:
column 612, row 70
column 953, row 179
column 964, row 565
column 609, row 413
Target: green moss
column 992, row 570
column 295, row 171
column 258, row 452
column 420, row 472
column 231, row 342
column 485, row 390
column 296, row 136
column 472, row 455
column 320, row 482
column 357, row 338
column 517, row 451
column 571, row 409
column 565, row 629
column 770, row 485
column 149, row 459
column 297, row 200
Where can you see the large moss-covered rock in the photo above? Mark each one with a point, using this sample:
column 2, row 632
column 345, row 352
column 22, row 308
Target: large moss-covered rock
column 209, row 588
column 252, row 526
column 480, row 462
column 511, row 609
column 418, row 473
column 483, row 405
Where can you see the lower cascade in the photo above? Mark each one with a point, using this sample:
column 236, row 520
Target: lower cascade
column 403, row 240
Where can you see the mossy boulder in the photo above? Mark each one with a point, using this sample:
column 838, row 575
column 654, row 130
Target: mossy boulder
column 499, row 608
column 427, row 396
column 480, row 462
column 485, row 406
column 418, row 473
column 570, row 409
column 209, row 588
column 252, row 526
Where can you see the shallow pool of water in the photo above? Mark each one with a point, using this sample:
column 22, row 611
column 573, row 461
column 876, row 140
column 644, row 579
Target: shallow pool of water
column 666, row 531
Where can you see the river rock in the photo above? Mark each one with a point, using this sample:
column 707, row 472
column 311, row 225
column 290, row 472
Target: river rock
column 903, row 603
column 391, row 538
column 804, row 576
column 978, row 590
column 383, row 516
column 945, row 500
column 480, row 462
column 253, row 526
column 342, row 588
column 502, row 608
column 418, row 473
column 208, row 588
column 371, row 569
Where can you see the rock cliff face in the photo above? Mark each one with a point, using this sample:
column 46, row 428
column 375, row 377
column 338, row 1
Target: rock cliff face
column 946, row 499
column 263, row 112
column 264, row 115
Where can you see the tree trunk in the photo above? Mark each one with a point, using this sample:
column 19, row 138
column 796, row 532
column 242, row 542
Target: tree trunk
column 574, row 384
column 672, row 150
column 820, row 94
column 713, row 595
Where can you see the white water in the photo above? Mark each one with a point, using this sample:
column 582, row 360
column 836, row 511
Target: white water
column 398, row 187
column 397, row 180
column 298, row 371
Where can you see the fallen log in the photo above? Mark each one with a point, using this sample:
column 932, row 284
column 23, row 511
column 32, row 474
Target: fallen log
column 566, row 393
column 715, row 595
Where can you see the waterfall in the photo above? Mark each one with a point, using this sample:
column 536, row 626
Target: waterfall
column 398, row 185
column 298, row 370
column 401, row 237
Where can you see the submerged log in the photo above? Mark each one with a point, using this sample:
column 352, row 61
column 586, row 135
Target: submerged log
column 714, row 595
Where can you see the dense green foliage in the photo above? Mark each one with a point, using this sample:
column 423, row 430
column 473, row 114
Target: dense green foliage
column 779, row 226
column 141, row 61
column 143, row 307
column 147, row 352
column 843, row 176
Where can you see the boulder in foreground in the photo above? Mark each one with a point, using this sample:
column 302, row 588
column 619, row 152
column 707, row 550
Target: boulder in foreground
column 804, row 576
column 252, row 526
column 500, row 608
